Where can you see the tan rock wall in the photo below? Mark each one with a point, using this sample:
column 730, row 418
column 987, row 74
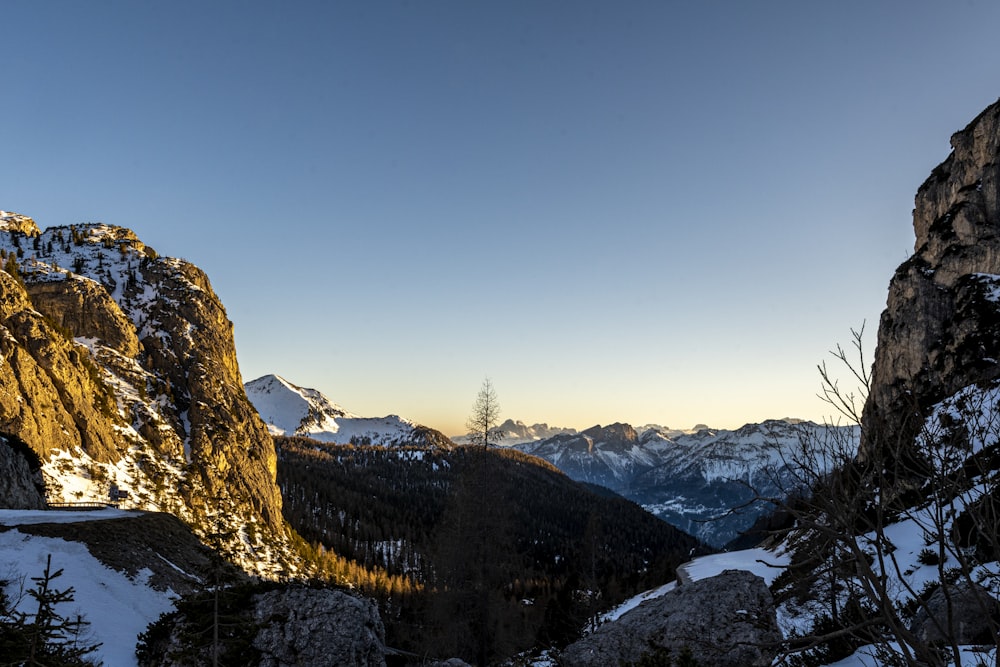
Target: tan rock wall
column 938, row 332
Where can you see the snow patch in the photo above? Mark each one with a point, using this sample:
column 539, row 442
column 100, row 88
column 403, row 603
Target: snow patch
column 117, row 608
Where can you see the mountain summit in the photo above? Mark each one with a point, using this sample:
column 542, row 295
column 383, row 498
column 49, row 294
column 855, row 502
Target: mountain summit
column 289, row 409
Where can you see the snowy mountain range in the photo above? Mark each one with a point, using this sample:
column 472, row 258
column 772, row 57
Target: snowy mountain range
column 691, row 480
column 517, row 433
column 291, row 410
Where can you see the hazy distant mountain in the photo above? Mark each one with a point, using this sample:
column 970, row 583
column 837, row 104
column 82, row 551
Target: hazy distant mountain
column 687, row 479
column 289, row 409
column 517, row 432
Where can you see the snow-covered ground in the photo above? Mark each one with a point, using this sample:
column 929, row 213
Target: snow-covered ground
column 768, row 565
column 866, row 657
column 632, row 603
column 26, row 517
column 117, row 608
column 762, row 562
column 765, row 564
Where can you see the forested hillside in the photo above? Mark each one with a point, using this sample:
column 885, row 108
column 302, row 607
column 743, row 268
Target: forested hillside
column 472, row 552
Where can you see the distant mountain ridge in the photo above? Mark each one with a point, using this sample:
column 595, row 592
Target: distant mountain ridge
column 690, row 480
column 517, row 432
column 291, row 410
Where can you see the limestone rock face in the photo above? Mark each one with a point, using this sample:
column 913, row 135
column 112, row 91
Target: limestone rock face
column 726, row 621
column 118, row 367
column 16, row 222
column 86, row 308
column 54, row 399
column 321, row 628
column 939, row 331
column 188, row 340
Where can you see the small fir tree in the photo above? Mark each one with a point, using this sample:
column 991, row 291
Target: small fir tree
column 45, row 638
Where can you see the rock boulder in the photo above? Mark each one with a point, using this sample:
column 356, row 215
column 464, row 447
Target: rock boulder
column 725, row 621
column 321, row 628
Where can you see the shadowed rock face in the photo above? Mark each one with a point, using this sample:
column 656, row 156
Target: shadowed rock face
column 726, row 621
column 21, row 485
column 283, row 627
column 939, row 331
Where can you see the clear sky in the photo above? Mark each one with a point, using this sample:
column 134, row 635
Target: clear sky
column 634, row 211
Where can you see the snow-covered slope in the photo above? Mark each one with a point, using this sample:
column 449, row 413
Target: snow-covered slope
column 690, row 480
column 289, row 409
column 116, row 606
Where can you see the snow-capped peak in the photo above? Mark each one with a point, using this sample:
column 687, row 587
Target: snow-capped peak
column 289, row 409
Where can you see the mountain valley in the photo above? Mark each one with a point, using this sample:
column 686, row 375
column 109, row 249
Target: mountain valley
column 705, row 482
column 270, row 526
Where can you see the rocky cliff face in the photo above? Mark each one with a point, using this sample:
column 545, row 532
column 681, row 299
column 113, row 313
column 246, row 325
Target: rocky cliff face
column 940, row 330
column 119, row 369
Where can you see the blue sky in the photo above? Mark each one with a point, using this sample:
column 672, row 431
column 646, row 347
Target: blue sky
column 643, row 211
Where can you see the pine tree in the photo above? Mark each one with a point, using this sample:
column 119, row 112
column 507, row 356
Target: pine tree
column 11, row 267
column 45, row 638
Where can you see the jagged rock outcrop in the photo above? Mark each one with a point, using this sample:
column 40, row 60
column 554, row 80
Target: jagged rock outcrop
column 725, row 621
column 320, row 628
column 188, row 341
column 15, row 222
column 940, row 330
column 85, row 308
column 118, row 366
column 21, row 485
column 622, row 435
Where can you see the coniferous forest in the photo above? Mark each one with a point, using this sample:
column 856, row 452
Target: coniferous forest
column 471, row 552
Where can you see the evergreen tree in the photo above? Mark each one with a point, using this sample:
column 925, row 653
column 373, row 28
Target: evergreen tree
column 45, row 638
column 11, row 267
